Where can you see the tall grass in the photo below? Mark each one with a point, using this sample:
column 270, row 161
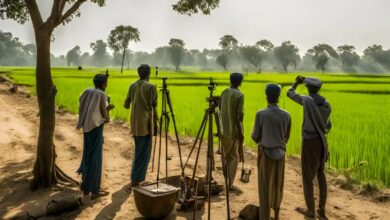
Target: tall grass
column 360, row 104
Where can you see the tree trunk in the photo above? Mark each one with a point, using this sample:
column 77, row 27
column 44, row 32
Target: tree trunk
column 285, row 68
column 44, row 168
column 123, row 60
column 128, row 61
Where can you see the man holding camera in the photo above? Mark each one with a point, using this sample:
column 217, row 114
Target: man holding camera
column 94, row 110
column 271, row 132
column 143, row 122
column 316, row 124
column 232, row 132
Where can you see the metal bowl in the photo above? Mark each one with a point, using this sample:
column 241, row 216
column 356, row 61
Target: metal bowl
column 155, row 200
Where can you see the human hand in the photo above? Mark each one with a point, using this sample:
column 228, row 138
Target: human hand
column 110, row 107
column 299, row 79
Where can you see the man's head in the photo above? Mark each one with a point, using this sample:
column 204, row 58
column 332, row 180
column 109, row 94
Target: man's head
column 144, row 71
column 313, row 85
column 236, row 79
column 272, row 92
column 100, row 81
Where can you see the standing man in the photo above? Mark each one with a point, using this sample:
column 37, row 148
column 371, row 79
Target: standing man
column 93, row 113
column 271, row 132
column 232, row 132
column 316, row 124
column 143, row 121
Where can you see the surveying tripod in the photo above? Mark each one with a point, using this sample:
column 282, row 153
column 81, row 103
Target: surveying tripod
column 211, row 115
column 166, row 115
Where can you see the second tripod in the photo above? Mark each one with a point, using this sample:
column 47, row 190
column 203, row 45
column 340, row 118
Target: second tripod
column 211, row 116
column 166, row 115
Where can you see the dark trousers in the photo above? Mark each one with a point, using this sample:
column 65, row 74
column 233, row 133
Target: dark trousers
column 312, row 165
column 91, row 164
column 271, row 182
column 143, row 148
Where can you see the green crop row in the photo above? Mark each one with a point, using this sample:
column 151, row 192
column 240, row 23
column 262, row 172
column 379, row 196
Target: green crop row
column 360, row 109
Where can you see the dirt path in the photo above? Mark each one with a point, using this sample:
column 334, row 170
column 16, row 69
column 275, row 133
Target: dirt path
column 18, row 134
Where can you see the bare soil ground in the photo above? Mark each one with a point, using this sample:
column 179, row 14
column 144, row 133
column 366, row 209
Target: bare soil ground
column 18, row 135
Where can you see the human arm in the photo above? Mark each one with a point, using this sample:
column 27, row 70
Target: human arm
column 128, row 99
column 104, row 107
column 329, row 122
column 288, row 131
column 240, row 118
column 257, row 129
column 291, row 93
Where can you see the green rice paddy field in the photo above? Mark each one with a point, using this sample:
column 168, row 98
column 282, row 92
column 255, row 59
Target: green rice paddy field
column 360, row 104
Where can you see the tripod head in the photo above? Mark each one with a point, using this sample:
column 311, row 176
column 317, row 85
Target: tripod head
column 213, row 100
column 212, row 85
column 164, row 85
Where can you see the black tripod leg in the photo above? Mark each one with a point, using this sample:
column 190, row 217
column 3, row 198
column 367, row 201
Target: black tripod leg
column 196, row 140
column 166, row 147
column 175, row 128
column 210, row 160
column 201, row 131
column 160, row 144
column 224, row 167
column 165, row 118
column 154, row 152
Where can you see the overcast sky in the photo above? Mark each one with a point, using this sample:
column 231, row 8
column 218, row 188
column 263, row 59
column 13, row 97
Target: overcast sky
column 304, row 22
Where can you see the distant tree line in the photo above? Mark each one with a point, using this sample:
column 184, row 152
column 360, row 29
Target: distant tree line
column 262, row 56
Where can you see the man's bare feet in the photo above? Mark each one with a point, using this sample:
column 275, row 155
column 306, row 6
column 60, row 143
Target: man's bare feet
column 100, row 194
column 321, row 214
column 305, row 212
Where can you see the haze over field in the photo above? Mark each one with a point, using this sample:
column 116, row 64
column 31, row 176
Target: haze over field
column 304, row 22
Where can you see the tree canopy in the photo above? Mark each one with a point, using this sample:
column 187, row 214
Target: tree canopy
column 321, row 54
column 120, row 37
column 286, row 54
column 73, row 56
column 176, row 51
column 228, row 42
column 348, row 55
column 252, row 55
column 194, row 6
column 100, row 52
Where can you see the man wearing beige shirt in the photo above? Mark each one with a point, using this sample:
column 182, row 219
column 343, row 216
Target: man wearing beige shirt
column 232, row 132
column 271, row 133
column 142, row 96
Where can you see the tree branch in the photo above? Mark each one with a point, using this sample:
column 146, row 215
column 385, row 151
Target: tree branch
column 34, row 12
column 55, row 13
column 71, row 10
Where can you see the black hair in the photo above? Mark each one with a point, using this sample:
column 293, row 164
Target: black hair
column 143, row 71
column 273, row 99
column 236, row 79
column 100, row 79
